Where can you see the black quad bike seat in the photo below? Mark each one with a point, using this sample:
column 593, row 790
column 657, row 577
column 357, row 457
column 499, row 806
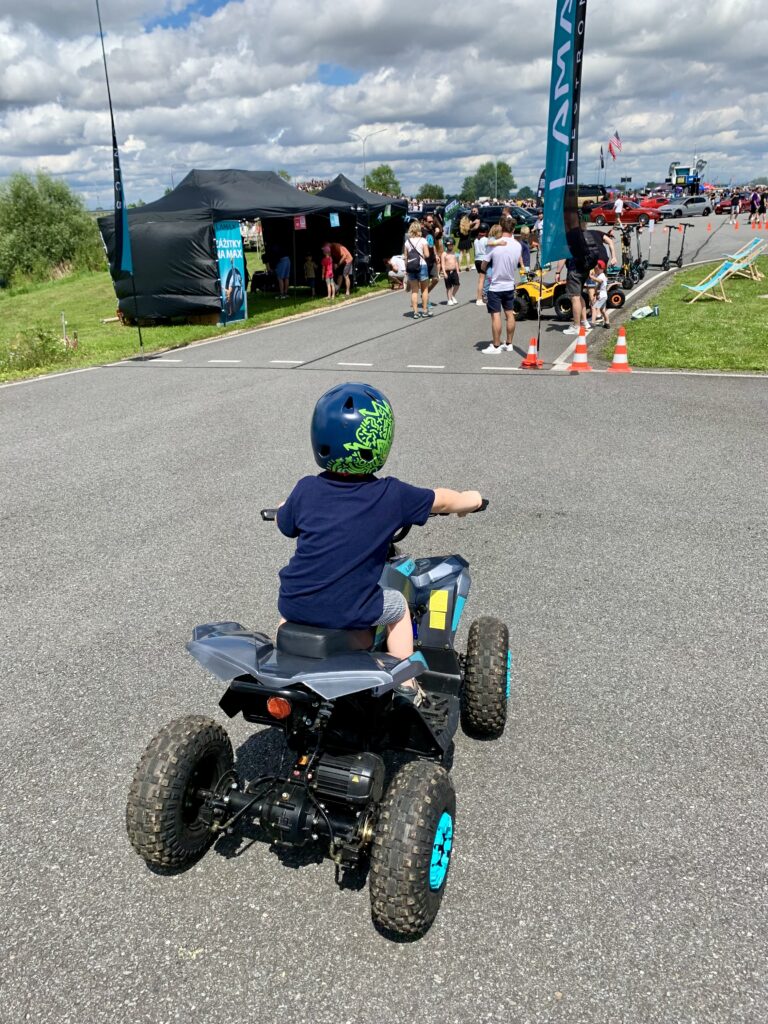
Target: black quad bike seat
column 316, row 642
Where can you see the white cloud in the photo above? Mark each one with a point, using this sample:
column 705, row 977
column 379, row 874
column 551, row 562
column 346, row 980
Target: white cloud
column 241, row 88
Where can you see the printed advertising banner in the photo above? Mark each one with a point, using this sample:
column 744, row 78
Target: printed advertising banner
column 229, row 252
column 561, row 215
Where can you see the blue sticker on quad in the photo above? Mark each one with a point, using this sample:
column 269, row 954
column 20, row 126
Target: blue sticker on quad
column 458, row 609
column 407, row 567
column 509, row 674
column 441, row 851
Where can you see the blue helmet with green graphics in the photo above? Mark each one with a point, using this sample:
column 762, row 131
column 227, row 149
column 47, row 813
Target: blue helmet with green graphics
column 352, row 429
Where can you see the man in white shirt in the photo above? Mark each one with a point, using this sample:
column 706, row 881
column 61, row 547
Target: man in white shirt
column 396, row 271
column 504, row 260
column 618, row 209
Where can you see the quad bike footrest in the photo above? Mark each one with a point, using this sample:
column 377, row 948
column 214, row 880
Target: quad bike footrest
column 441, row 716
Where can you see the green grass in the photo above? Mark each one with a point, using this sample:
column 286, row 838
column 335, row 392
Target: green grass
column 706, row 335
column 87, row 299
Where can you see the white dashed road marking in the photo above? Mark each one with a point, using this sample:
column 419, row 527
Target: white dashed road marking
column 354, row 364
column 288, row 362
column 419, row 366
column 225, row 360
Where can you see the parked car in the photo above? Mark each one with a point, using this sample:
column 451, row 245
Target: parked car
column 687, row 206
column 724, row 205
column 490, row 215
column 633, row 213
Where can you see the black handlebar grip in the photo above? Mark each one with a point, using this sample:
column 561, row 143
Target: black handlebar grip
column 269, row 515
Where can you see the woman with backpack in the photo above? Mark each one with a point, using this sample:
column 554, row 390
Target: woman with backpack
column 415, row 254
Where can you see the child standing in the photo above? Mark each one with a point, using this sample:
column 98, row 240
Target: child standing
column 598, row 283
column 344, row 518
column 326, row 269
column 481, row 247
column 310, row 271
column 451, row 272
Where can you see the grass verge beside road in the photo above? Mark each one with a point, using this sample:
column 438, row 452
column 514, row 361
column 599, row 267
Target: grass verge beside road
column 706, row 335
column 87, row 299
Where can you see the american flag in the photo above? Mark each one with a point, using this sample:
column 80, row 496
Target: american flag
column 614, row 144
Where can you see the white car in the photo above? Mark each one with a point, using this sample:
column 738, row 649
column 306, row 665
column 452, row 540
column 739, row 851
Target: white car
column 687, row 206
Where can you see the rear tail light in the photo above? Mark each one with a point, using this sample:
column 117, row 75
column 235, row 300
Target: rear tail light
column 279, row 707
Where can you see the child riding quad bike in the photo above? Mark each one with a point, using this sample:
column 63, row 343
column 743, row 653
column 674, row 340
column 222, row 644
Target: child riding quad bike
column 345, row 703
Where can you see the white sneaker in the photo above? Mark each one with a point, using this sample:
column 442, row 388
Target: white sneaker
column 571, row 330
column 491, row 350
column 479, row 302
column 586, row 325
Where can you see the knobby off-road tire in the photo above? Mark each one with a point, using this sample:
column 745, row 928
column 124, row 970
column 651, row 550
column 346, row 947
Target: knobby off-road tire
column 486, row 677
column 412, row 847
column 562, row 307
column 163, row 814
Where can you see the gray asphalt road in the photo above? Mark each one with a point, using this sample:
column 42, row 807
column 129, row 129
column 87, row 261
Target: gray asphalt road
column 611, row 848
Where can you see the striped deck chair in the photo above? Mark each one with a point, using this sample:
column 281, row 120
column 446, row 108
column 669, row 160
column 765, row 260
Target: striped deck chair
column 747, row 263
column 712, row 285
column 745, row 250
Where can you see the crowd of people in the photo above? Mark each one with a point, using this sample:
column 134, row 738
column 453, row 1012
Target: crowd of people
column 498, row 252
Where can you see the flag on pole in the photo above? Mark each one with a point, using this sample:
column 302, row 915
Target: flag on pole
column 602, row 159
column 561, row 213
column 123, row 257
column 614, row 144
column 122, row 260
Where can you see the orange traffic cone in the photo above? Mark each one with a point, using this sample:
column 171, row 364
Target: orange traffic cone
column 532, row 361
column 580, row 363
column 620, row 363
column 679, row 227
column 709, row 227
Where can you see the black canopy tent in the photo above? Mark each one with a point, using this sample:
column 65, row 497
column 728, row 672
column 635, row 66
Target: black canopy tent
column 376, row 235
column 174, row 256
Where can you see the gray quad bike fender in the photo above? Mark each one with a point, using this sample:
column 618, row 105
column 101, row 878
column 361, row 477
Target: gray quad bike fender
column 229, row 651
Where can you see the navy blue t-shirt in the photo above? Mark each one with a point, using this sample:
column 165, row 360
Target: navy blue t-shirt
column 344, row 527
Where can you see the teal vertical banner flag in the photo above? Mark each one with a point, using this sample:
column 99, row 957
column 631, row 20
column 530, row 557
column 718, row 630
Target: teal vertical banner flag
column 229, row 252
column 561, row 215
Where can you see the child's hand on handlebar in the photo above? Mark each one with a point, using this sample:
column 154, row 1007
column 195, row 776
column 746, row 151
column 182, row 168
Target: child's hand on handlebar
column 459, row 502
column 478, row 501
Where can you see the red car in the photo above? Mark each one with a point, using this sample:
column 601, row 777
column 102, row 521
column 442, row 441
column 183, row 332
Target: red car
column 724, row 205
column 654, row 202
column 633, row 214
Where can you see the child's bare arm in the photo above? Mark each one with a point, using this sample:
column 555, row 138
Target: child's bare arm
column 460, row 502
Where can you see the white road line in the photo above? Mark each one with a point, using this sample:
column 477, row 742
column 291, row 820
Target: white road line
column 424, row 366
column 354, row 364
column 509, row 369
column 156, row 359
column 288, row 362
column 46, row 376
column 225, row 360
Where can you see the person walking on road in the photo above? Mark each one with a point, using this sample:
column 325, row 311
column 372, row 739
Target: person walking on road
column 505, row 260
column 735, row 202
column 415, row 254
column 754, row 206
column 618, row 209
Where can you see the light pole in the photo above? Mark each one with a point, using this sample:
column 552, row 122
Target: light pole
column 364, row 139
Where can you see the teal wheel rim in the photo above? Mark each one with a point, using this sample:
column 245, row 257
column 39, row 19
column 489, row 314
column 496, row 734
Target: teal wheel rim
column 509, row 674
column 441, row 851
